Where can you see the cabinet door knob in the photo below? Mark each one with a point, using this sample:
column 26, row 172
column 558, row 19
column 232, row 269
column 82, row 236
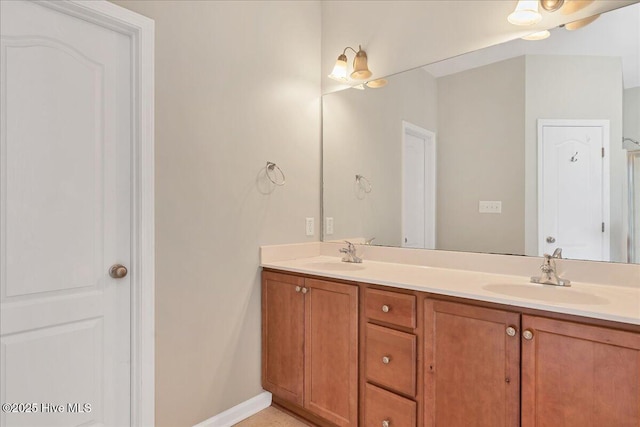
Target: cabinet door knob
column 298, row 288
column 527, row 334
column 305, row 290
column 386, row 423
column 386, row 360
column 511, row 331
column 385, row 308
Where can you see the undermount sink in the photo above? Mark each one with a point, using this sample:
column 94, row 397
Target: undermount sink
column 335, row 266
column 547, row 293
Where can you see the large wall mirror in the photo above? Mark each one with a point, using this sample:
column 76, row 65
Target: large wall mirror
column 515, row 149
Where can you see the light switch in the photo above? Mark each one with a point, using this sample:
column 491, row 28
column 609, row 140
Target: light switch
column 328, row 228
column 494, row 207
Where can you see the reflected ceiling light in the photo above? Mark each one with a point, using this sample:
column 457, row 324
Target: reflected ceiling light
column 551, row 5
column 576, row 25
column 540, row 35
column 376, row 84
column 360, row 67
column 526, row 13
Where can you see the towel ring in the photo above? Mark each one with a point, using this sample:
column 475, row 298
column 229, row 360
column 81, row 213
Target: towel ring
column 272, row 174
column 364, row 183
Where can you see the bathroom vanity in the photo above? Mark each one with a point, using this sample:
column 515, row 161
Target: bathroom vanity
column 395, row 345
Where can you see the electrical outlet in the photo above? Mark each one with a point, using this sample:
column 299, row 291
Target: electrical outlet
column 309, row 226
column 328, row 228
column 494, row 207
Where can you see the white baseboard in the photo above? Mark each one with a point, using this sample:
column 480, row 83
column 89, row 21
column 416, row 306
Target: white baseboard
column 239, row 412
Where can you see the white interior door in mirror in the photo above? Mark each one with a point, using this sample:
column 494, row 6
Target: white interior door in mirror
column 419, row 187
column 65, row 217
column 573, row 191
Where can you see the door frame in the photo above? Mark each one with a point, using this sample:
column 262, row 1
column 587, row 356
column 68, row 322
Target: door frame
column 606, row 186
column 140, row 30
column 411, row 129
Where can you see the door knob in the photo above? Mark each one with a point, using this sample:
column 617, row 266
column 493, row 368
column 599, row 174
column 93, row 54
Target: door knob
column 118, row 271
column 551, row 239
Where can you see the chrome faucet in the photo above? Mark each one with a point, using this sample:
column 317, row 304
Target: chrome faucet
column 549, row 274
column 350, row 253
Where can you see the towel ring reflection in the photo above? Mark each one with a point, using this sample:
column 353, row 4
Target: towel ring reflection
column 364, row 183
column 272, row 174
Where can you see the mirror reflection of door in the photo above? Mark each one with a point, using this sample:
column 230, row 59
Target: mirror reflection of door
column 573, row 190
column 418, row 187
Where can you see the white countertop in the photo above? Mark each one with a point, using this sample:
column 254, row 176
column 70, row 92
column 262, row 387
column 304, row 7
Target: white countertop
column 619, row 304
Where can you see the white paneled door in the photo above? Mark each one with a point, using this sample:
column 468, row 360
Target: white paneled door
column 418, row 187
column 65, row 219
column 573, row 192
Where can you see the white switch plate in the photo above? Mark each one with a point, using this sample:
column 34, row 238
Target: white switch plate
column 309, row 226
column 328, row 228
column 494, row 207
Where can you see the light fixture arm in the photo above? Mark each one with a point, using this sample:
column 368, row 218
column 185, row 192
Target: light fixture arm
column 344, row 52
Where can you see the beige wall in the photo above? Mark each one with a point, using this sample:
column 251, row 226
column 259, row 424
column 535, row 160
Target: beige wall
column 237, row 84
column 576, row 87
column 362, row 134
column 480, row 139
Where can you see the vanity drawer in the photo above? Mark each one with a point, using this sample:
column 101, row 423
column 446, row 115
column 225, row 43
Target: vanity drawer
column 390, row 359
column 391, row 307
column 381, row 405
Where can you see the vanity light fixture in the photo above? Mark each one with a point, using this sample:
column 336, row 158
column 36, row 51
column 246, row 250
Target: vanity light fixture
column 526, row 13
column 540, row 35
column 360, row 69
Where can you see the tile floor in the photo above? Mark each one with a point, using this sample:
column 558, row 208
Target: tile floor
column 271, row 417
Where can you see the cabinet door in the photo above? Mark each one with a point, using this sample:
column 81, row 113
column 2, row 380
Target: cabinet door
column 576, row 375
column 331, row 351
column 472, row 366
column 283, row 336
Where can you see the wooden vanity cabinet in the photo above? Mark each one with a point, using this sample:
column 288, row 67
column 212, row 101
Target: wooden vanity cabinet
column 439, row 361
column 310, row 345
column 471, row 366
column 390, row 358
column 576, row 375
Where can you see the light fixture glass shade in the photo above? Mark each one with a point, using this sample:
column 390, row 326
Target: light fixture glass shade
column 339, row 72
column 551, row 5
column 576, row 25
column 540, row 35
column 360, row 68
column 375, row 84
column 526, row 13
column 359, row 87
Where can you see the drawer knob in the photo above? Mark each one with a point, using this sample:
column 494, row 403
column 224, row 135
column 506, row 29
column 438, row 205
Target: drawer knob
column 527, row 334
column 298, row 288
column 386, row 360
column 305, row 290
column 385, row 308
column 386, row 423
column 511, row 331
